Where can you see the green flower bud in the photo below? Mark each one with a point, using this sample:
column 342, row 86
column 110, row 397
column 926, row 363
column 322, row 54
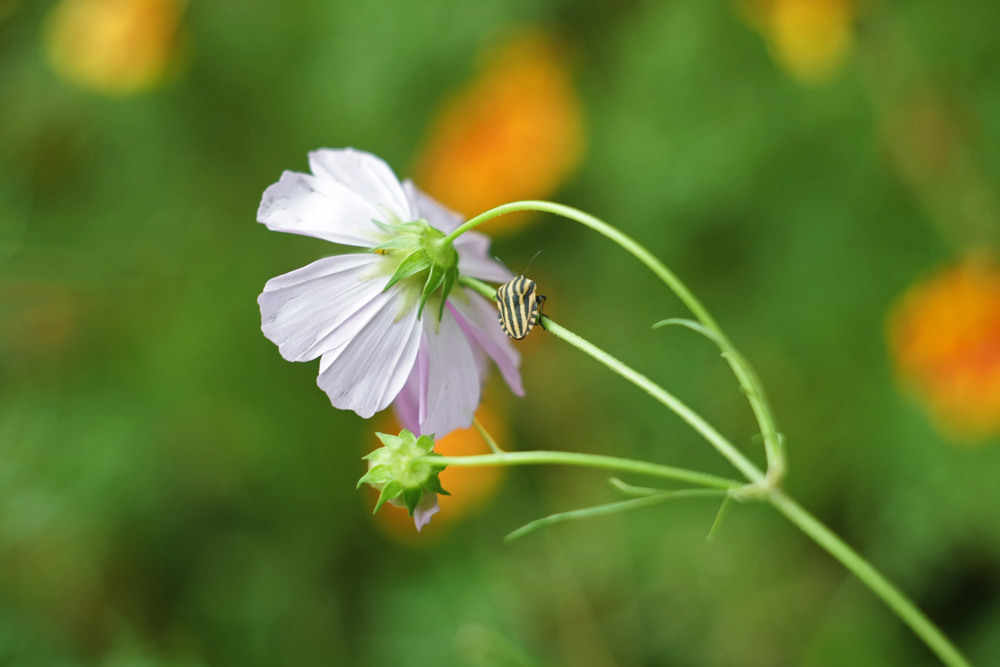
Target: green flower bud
column 400, row 472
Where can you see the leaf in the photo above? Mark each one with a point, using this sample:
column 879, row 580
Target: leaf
column 723, row 509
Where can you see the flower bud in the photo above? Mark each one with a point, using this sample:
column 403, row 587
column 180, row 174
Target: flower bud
column 400, row 471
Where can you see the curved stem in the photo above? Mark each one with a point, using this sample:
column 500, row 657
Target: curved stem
column 741, row 369
column 871, row 577
column 584, row 461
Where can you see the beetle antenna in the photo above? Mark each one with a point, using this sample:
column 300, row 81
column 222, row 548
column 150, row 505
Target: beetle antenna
column 530, row 261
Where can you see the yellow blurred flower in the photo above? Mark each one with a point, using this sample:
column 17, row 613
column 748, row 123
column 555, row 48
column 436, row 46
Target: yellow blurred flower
column 470, row 488
column 515, row 133
column 945, row 339
column 114, row 46
column 809, row 38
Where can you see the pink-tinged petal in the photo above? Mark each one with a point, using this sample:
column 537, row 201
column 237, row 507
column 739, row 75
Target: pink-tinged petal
column 367, row 176
column 424, row 510
column 368, row 369
column 303, row 310
column 301, row 204
column 474, row 258
column 478, row 320
column 425, row 207
column 407, row 403
column 453, row 384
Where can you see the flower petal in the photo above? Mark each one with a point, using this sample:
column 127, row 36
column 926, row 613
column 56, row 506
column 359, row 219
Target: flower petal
column 407, row 403
column 427, row 508
column 474, row 258
column 452, row 388
column 303, row 204
column 367, row 370
column 303, row 310
column 429, row 209
column 364, row 174
column 478, row 320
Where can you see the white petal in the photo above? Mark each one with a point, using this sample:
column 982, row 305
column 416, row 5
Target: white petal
column 301, row 204
column 364, row 174
column 305, row 311
column 430, row 210
column 474, row 258
column 478, row 319
column 453, row 382
column 368, row 370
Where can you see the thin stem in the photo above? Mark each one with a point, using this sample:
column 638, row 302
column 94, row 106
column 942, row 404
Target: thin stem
column 871, row 577
column 599, row 461
column 717, row 440
column 494, row 447
column 741, row 368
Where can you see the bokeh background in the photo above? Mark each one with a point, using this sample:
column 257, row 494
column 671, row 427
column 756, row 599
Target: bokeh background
column 822, row 173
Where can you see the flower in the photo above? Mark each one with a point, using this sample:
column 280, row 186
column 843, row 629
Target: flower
column 115, row 46
column 363, row 314
column 809, row 38
column 944, row 336
column 515, row 133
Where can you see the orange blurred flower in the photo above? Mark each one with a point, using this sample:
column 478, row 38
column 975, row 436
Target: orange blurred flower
column 515, row 133
column 470, row 488
column 808, row 38
column 114, row 46
column 945, row 338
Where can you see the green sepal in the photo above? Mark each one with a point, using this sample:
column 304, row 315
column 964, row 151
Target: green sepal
column 434, row 280
column 389, row 440
column 450, row 276
column 408, row 242
column 434, row 484
column 414, row 263
column 379, row 474
column 424, row 442
column 389, row 491
column 412, row 498
column 412, row 228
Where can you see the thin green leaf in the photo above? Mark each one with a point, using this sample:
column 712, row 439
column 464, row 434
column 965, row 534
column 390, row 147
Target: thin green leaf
column 634, row 491
column 723, row 510
column 694, row 326
column 609, row 509
column 412, row 497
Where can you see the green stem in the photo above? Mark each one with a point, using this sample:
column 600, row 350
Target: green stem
column 741, row 368
column 871, row 577
column 726, row 448
column 585, row 461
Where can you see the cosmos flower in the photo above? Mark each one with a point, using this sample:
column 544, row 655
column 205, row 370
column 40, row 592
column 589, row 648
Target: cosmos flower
column 116, row 47
column 944, row 336
column 515, row 132
column 390, row 324
column 810, row 39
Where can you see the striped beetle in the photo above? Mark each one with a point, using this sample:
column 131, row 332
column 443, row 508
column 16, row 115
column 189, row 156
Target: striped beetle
column 519, row 306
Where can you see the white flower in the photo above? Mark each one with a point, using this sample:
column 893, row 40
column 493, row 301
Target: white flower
column 376, row 343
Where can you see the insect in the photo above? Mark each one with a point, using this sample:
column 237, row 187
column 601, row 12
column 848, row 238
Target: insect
column 519, row 306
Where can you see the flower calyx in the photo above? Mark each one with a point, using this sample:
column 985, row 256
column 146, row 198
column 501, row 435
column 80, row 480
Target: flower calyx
column 421, row 249
column 400, row 471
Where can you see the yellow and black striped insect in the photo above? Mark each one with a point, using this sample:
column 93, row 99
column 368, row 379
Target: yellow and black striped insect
column 519, row 306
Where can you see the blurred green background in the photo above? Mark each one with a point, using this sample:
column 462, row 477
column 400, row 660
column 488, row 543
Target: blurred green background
column 173, row 493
